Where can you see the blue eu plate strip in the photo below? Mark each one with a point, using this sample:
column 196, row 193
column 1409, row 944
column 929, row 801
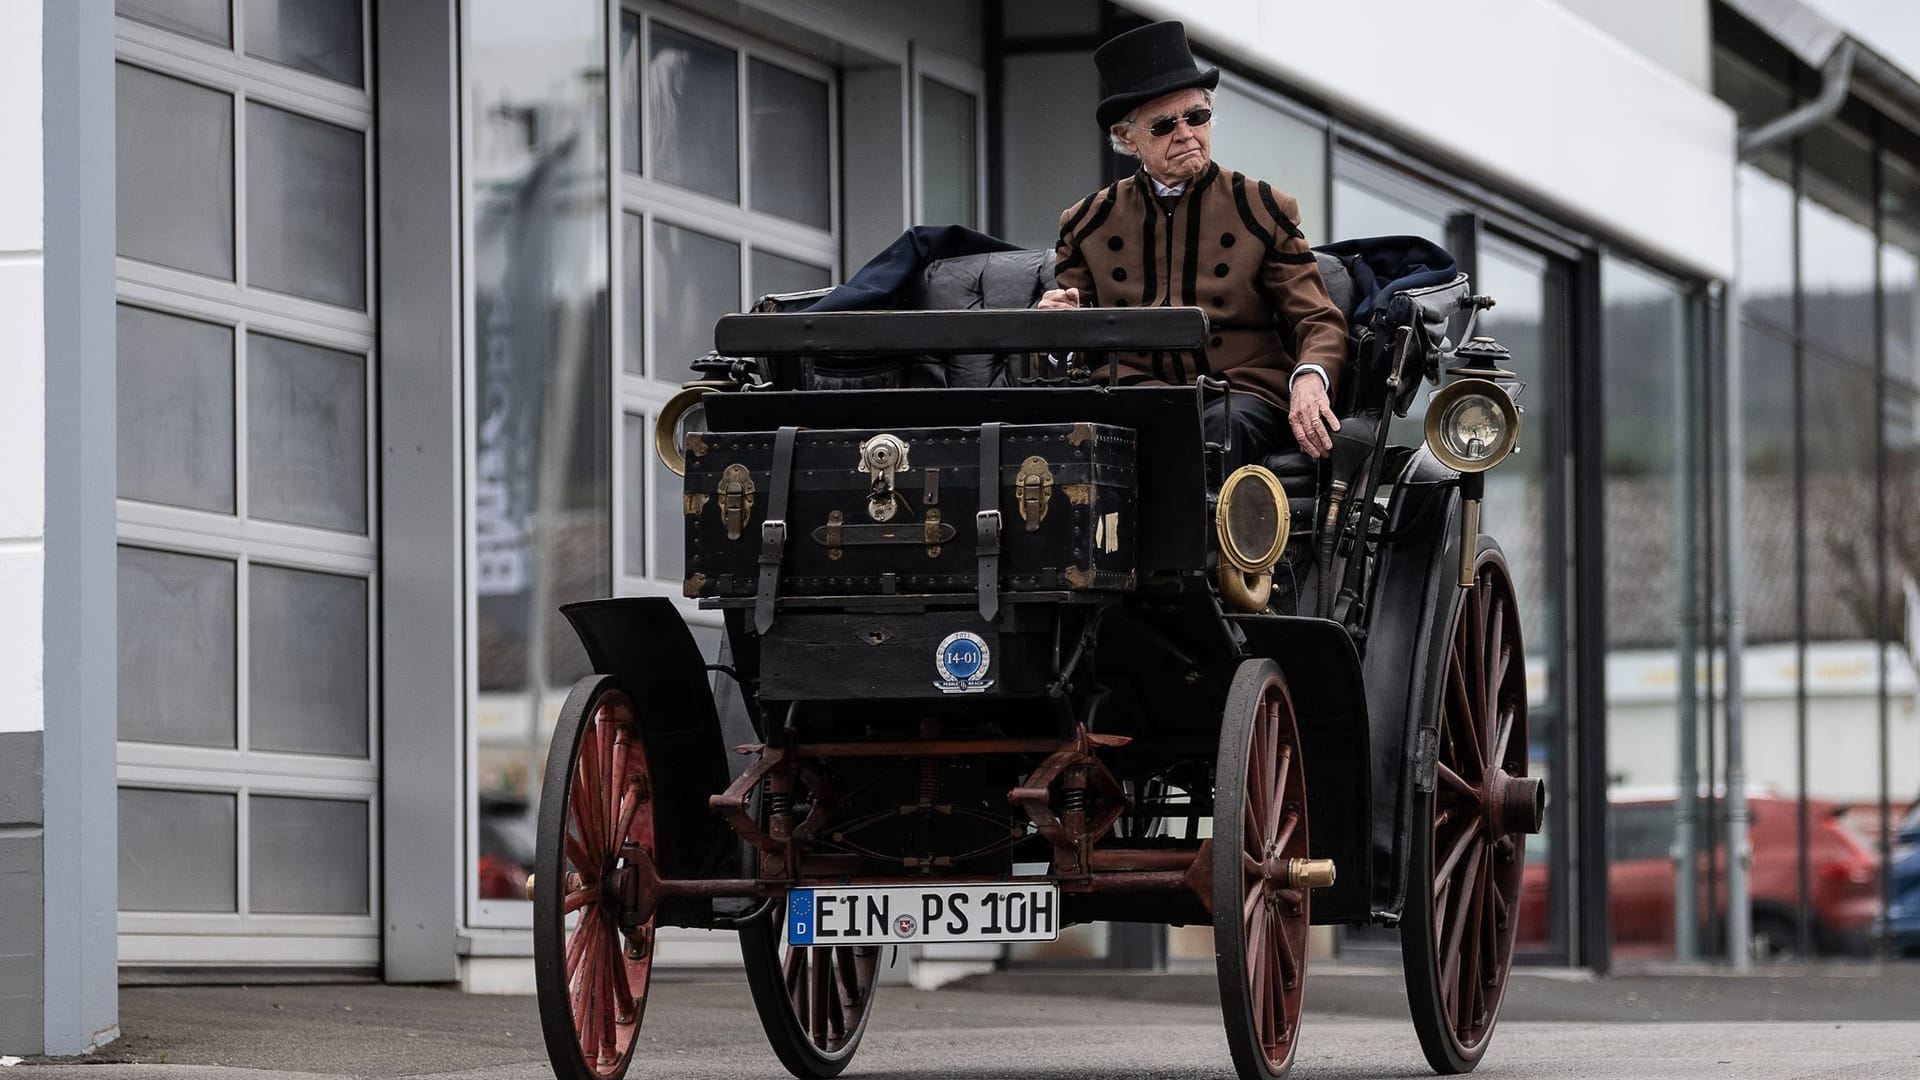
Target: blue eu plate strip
column 800, row 917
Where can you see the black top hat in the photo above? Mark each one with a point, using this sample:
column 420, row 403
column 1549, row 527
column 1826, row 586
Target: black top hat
column 1143, row 64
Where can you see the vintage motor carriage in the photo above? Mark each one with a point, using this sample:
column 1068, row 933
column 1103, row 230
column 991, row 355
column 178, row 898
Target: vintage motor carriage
column 1009, row 648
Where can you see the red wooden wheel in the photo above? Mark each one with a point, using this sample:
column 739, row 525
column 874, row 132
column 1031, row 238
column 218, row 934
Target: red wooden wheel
column 814, row 1002
column 593, row 958
column 1259, row 828
column 1469, row 843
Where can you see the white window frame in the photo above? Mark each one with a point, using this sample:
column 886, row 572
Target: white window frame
column 969, row 80
column 242, row 937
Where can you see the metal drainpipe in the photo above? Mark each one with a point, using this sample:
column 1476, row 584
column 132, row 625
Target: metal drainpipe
column 1837, row 77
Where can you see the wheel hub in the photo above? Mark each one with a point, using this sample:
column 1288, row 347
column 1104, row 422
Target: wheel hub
column 1514, row 804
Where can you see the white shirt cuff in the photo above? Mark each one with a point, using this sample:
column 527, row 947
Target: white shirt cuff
column 1325, row 382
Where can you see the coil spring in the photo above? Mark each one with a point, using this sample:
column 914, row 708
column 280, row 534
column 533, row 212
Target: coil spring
column 778, row 802
column 929, row 782
column 1075, row 801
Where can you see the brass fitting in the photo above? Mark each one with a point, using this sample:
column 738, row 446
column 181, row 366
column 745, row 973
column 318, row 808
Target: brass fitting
column 1310, row 873
column 529, row 886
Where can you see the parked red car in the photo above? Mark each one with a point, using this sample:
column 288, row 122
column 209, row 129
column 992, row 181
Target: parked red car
column 1844, row 869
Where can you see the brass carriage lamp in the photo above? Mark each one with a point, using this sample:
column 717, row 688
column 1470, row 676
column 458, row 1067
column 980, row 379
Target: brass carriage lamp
column 1473, row 425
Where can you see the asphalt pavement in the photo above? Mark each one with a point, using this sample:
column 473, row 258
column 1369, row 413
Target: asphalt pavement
column 1861, row 1022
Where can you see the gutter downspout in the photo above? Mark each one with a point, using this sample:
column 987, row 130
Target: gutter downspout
column 1837, row 78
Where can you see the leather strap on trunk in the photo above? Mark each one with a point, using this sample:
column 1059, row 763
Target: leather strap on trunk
column 987, row 521
column 773, row 531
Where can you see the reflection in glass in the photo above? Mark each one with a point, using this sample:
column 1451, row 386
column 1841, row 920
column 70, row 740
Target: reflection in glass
column 1900, row 262
column 949, row 160
column 636, row 440
column 307, row 662
column 1267, row 143
column 697, row 280
column 307, row 856
column 630, row 92
column 779, row 274
column 693, row 112
column 1655, row 568
column 177, row 851
column 205, row 19
column 542, row 364
column 320, row 37
column 633, row 296
column 1767, row 534
column 306, row 434
column 306, row 207
column 173, row 163
column 1360, row 211
column 789, row 144
column 176, row 644
column 175, row 408
column 1766, row 242
column 1836, row 281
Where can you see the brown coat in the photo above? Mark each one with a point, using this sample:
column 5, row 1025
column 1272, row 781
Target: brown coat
column 1227, row 244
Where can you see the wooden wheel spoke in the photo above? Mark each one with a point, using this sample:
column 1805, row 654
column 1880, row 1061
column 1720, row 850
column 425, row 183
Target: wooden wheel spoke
column 577, row 944
column 1493, row 655
column 1250, row 866
column 1458, row 783
column 1504, row 741
column 583, row 862
column 1465, row 742
column 1463, row 901
column 622, row 986
column 1278, row 798
column 819, row 992
column 1288, row 827
column 1447, row 865
column 794, row 968
column 847, row 977
column 580, row 809
column 579, row 898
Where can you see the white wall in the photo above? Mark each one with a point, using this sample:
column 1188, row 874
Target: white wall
column 1521, row 91
column 22, row 370
column 1676, row 34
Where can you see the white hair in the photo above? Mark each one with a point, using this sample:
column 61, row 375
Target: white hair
column 1113, row 133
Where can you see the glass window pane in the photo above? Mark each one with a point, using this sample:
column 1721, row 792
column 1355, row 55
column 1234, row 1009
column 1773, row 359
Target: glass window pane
column 306, row 434
column 306, row 207
column 1267, row 143
column 176, row 851
column 307, row 662
column 1840, row 448
column 669, row 515
column 1837, row 250
column 176, row 648
column 1900, row 197
column 949, row 161
column 1361, row 211
column 306, row 856
column 175, row 409
column 1766, row 243
column 787, row 123
column 693, row 113
column 633, row 296
column 696, row 280
column 321, row 37
column 1767, row 535
column 630, row 92
column 779, row 274
column 637, row 439
column 173, row 165
column 204, row 19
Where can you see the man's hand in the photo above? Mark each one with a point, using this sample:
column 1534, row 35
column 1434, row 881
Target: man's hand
column 1311, row 416
column 1059, row 298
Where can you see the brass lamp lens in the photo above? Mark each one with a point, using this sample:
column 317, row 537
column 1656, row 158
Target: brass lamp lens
column 1473, row 428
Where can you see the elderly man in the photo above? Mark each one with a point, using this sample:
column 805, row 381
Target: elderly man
column 1181, row 231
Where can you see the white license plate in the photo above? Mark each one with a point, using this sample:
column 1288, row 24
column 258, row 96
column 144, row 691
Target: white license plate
column 897, row 914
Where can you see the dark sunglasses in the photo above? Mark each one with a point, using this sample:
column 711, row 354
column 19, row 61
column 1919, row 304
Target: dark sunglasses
column 1164, row 126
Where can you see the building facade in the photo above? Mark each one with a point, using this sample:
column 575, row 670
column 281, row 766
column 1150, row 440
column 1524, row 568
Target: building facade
column 334, row 333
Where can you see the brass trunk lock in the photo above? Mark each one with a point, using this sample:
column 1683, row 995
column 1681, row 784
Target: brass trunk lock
column 736, row 499
column 1033, row 491
column 881, row 457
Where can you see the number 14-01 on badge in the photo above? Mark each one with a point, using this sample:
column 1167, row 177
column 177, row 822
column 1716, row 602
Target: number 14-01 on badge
column 897, row 914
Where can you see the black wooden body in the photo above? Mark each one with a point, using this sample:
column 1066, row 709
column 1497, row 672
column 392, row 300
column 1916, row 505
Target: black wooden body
column 1065, row 493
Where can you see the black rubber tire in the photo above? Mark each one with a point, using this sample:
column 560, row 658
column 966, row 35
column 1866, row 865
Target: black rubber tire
column 773, row 999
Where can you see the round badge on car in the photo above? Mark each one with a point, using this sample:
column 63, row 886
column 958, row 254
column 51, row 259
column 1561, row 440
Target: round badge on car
column 962, row 660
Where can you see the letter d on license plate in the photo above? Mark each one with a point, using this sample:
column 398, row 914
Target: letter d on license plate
column 898, row 914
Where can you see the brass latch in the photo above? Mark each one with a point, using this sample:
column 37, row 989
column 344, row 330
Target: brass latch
column 881, row 457
column 736, row 499
column 1033, row 491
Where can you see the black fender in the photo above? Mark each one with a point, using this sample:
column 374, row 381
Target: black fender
column 1324, row 679
column 643, row 641
column 1416, row 592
